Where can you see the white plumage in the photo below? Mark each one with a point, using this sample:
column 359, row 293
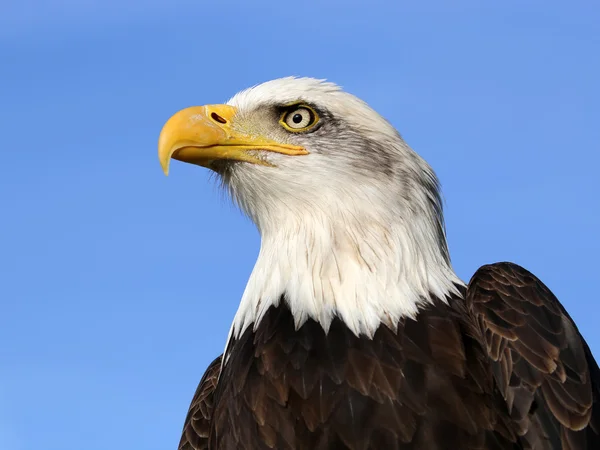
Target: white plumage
column 331, row 235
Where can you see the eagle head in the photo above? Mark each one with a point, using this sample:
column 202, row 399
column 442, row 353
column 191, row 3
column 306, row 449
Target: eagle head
column 350, row 216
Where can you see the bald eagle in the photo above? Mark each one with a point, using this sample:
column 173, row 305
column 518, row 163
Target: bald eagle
column 354, row 332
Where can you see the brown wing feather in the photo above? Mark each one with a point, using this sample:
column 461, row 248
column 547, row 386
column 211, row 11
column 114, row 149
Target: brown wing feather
column 196, row 427
column 541, row 363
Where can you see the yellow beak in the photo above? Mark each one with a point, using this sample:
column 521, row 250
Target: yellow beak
column 202, row 134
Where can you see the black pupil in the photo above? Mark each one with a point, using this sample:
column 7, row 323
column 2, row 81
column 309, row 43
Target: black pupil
column 297, row 118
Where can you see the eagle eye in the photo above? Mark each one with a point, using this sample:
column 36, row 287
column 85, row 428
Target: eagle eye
column 299, row 118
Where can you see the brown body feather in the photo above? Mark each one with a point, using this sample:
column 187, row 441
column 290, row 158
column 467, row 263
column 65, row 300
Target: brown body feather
column 503, row 368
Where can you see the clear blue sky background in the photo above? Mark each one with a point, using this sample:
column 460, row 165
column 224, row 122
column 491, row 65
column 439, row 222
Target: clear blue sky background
column 118, row 285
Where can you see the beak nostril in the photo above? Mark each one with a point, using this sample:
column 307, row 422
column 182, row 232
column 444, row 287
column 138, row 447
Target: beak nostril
column 217, row 118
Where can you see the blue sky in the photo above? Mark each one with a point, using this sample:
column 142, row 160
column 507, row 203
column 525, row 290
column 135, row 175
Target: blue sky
column 118, row 285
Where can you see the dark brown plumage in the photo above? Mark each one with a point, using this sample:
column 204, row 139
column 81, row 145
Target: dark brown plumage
column 197, row 422
column 503, row 368
column 541, row 364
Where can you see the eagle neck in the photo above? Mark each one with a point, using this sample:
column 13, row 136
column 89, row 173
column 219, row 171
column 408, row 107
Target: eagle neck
column 361, row 268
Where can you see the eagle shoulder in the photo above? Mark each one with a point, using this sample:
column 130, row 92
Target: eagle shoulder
column 196, row 428
column 541, row 363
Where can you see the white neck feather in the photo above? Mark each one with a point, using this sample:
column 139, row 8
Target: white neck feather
column 364, row 270
column 352, row 230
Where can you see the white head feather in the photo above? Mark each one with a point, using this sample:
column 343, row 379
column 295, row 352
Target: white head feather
column 353, row 230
